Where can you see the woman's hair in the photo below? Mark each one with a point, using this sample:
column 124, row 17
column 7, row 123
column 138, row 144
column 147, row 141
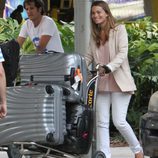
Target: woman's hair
column 96, row 29
column 38, row 4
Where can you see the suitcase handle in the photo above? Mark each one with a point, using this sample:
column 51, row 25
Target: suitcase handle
column 49, row 89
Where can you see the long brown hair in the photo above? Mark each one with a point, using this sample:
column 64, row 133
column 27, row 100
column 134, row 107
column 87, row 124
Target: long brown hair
column 96, row 29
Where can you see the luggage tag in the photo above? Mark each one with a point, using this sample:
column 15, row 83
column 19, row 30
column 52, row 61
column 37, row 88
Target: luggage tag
column 76, row 84
column 78, row 79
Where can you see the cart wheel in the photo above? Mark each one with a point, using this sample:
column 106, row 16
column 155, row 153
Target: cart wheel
column 14, row 151
column 99, row 154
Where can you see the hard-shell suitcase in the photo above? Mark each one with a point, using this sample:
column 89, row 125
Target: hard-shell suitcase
column 35, row 114
column 56, row 68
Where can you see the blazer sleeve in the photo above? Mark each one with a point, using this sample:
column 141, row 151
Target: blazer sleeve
column 120, row 47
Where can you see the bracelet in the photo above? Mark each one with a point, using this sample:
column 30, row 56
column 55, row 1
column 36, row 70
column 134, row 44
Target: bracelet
column 107, row 69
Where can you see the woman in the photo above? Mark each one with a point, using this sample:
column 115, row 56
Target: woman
column 108, row 48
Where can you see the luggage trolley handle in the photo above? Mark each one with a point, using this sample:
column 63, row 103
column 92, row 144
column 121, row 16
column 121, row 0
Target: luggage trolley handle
column 92, row 89
column 91, row 102
column 91, row 92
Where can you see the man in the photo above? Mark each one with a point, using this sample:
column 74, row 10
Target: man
column 3, row 105
column 40, row 28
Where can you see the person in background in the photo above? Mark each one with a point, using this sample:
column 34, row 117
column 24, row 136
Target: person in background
column 3, row 104
column 41, row 29
column 108, row 48
column 17, row 14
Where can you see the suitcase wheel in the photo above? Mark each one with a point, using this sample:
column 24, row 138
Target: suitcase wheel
column 49, row 89
column 99, row 154
column 50, row 137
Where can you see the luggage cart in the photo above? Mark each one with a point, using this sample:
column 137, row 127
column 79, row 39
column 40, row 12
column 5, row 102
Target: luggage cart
column 91, row 102
column 34, row 150
column 31, row 76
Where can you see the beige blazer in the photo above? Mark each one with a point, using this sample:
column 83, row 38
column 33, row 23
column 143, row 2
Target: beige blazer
column 119, row 65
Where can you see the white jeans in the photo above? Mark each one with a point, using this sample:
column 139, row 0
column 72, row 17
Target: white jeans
column 119, row 105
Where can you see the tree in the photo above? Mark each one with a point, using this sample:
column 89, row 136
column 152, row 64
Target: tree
column 2, row 6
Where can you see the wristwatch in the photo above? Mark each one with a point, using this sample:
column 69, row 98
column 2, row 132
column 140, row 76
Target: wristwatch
column 107, row 69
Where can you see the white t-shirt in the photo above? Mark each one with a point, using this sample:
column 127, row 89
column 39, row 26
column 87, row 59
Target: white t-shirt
column 47, row 26
column 1, row 56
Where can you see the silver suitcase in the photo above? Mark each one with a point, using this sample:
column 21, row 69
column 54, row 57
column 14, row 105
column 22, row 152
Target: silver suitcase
column 35, row 114
column 55, row 68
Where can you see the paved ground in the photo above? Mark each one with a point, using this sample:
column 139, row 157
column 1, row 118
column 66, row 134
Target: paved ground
column 117, row 152
column 122, row 152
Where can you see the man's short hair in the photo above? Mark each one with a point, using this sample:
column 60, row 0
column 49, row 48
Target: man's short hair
column 38, row 4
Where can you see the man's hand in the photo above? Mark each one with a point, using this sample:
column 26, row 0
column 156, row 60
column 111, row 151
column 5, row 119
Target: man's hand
column 3, row 110
column 3, row 102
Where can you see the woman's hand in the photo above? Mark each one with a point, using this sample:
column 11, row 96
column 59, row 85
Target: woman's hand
column 103, row 69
